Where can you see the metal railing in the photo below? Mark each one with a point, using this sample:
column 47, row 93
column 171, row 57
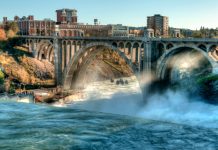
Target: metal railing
column 185, row 39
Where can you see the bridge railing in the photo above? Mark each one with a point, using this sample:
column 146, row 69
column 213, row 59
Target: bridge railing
column 186, row 39
column 213, row 40
column 82, row 38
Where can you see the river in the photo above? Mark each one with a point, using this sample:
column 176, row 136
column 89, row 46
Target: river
column 113, row 117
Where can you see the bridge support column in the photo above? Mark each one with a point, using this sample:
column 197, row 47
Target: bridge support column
column 68, row 53
column 122, row 49
column 58, row 61
column 63, row 55
column 147, row 57
column 133, row 55
column 77, row 47
column 29, row 47
column 34, row 49
column 139, row 58
column 126, row 50
column 72, row 50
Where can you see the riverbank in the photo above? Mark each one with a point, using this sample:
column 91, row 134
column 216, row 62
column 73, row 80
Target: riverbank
column 21, row 98
column 21, row 71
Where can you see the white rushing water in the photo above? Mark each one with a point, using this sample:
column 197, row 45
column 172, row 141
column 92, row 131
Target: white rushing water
column 171, row 106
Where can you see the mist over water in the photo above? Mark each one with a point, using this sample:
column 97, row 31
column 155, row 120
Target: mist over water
column 177, row 107
column 171, row 106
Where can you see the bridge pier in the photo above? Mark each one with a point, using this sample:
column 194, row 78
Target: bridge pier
column 147, row 57
column 58, row 61
column 139, row 58
column 133, row 51
column 68, row 53
column 34, row 49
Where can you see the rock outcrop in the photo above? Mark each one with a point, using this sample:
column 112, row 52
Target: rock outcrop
column 27, row 70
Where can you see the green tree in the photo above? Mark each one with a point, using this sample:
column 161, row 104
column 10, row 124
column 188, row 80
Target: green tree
column 197, row 34
column 12, row 89
column 2, row 76
column 13, row 26
column 10, row 33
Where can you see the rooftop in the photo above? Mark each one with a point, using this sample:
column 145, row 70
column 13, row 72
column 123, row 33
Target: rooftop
column 66, row 9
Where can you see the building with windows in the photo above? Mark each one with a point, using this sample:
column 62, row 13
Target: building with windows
column 120, row 30
column 30, row 26
column 68, row 26
column 137, row 31
column 80, row 30
column 160, row 25
column 66, row 16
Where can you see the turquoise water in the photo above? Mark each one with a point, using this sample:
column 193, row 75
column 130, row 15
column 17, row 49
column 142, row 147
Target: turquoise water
column 28, row 126
column 109, row 120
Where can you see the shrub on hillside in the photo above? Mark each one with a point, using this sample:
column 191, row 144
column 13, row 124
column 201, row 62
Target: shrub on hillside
column 10, row 34
column 2, row 76
column 12, row 26
column 2, row 35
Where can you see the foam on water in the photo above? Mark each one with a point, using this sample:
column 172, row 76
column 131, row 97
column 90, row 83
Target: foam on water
column 177, row 107
column 171, row 106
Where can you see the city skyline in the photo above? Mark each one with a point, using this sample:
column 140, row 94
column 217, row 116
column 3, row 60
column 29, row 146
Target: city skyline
column 182, row 14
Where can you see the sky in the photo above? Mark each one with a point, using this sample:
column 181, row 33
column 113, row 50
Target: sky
column 190, row 14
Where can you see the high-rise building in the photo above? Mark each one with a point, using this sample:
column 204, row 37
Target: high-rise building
column 160, row 25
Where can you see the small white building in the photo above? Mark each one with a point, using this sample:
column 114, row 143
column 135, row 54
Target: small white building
column 149, row 33
column 120, row 31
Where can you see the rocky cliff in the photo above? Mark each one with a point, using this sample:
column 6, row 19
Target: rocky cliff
column 27, row 70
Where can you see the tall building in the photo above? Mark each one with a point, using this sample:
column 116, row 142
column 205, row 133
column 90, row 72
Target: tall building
column 160, row 25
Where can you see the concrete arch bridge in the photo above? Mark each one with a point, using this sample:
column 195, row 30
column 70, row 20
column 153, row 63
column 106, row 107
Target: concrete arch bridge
column 71, row 55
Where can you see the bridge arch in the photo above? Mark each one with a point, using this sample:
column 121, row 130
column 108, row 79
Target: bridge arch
column 161, row 48
column 121, row 46
column 212, row 47
column 213, row 52
column 203, row 47
column 136, row 52
column 128, row 47
column 163, row 61
column 169, row 46
column 81, row 58
column 43, row 49
column 115, row 44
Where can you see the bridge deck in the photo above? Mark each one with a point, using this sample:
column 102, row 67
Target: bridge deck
column 203, row 40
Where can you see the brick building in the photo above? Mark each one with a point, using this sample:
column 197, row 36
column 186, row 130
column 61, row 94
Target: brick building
column 30, row 26
column 84, row 30
column 67, row 20
column 66, row 16
column 137, row 31
column 68, row 25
